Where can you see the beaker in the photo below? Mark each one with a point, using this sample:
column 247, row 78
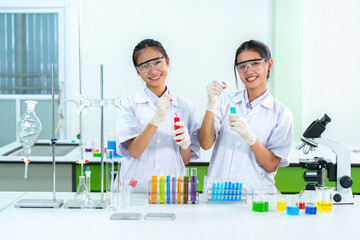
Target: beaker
column 260, row 200
column 281, row 203
column 292, row 207
column 310, row 204
column 324, row 199
column 301, row 202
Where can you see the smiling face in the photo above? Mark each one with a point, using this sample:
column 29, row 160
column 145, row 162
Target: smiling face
column 155, row 77
column 254, row 79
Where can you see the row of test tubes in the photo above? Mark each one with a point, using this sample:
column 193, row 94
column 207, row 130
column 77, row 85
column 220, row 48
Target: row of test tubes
column 169, row 186
column 226, row 190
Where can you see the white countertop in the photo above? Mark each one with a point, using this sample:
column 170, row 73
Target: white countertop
column 202, row 221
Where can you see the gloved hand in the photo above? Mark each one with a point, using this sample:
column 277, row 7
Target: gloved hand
column 184, row 135
column 162, row 106
column 238, row 124
column 214, row 89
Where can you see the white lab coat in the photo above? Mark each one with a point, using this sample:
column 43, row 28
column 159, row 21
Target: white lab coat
column 232, row 157
column 162, row 151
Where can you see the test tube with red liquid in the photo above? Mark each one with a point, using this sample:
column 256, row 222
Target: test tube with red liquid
column 177, row 119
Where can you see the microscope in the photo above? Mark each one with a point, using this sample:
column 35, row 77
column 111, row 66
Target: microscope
column 339, row 172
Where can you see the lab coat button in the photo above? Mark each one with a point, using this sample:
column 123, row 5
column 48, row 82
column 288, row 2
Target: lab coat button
column 158, row 140
column 157, row 165
column 232, row 169
column 238, row 143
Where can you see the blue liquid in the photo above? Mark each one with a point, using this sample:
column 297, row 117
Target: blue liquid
column 311, row 210
column 168, row 189
column 292, row 210
column 232, row 110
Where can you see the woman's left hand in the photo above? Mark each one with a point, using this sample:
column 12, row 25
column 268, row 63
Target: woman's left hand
column 238, row 124
column 183, row 136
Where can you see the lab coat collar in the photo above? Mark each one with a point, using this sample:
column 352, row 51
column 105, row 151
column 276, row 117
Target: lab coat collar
column 268, row 101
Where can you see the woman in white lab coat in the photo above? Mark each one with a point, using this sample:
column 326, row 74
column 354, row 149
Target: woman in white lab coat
column 145, row 131
column 257, row 139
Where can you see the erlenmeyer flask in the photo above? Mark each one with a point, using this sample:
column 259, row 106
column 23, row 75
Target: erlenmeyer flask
column 81, row 189
column 28, row 128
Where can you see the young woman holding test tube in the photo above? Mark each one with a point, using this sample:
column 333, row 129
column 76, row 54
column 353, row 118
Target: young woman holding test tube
column 145, row 132
column 257, row 139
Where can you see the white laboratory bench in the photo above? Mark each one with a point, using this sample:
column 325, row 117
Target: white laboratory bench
column 201, row 221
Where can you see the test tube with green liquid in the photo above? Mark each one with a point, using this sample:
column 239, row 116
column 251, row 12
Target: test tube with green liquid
column 162, row 186
column 186, row 186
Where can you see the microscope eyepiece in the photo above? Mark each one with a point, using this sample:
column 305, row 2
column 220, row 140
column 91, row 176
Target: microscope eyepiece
column 317, row 127
column 325, row 120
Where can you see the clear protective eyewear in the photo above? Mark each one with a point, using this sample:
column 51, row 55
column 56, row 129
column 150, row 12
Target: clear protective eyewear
column 254, row 64
column 157, row 63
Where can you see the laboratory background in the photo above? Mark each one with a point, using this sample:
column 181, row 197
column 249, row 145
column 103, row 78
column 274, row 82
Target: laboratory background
column 74, row 58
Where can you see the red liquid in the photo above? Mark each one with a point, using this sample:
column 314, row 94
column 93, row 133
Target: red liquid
column 177, row 119
column 301, row 205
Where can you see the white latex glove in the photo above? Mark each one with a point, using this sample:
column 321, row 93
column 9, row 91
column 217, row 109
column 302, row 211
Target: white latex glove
column 238, row 124
column 184, row 136
column 214, row 89
column 163, row 105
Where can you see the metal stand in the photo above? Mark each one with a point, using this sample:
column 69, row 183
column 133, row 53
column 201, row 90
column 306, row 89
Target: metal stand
column 45, row 203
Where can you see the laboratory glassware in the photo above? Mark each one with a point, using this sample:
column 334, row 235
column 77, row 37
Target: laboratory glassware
column 173, row 186
column 301, row 202
column 310, row 204
column 28, row 128
column 46, row 203
column 186, row 186
column 154, row 185
column 292, row 205
column 168, row 186
column 281, row 203
column 179, row 189
column 162, row 186
column 110, row 178
column 193, row 184
column 177, row 119
column 260, row 200
column 324, row 199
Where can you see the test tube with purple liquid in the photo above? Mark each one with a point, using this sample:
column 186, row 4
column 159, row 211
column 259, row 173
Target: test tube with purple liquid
column 193, row 184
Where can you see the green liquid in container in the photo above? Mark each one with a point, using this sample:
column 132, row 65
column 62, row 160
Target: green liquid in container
column 260, row 206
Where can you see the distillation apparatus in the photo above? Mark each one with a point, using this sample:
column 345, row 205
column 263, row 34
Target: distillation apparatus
column 341, row 173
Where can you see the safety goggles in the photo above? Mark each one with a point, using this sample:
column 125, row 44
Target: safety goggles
column 254, row 64
column 156, row 63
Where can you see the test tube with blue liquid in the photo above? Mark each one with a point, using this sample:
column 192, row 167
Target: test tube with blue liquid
column 168, row 186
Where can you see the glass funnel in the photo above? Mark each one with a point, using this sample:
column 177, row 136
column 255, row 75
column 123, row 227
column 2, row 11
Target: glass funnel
column 28, row 128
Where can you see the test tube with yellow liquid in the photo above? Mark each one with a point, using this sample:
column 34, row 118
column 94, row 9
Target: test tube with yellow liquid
column 186, row 186
column 153, row 192
column 324, row 202
column 178, row 176
column 162, row 186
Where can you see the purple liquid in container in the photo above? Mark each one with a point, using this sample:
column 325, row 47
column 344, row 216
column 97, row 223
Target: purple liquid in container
column 173, row 180
column 193, row 189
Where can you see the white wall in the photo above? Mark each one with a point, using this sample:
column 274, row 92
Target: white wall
column 331, row 79
column 201, row 38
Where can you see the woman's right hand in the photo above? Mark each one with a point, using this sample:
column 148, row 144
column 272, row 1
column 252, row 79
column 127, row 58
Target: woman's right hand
column 214, row 89
column 162, row 106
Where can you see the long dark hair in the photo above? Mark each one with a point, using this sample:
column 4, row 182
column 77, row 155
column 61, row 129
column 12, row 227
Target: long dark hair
column 253, row 45
column 144, row 44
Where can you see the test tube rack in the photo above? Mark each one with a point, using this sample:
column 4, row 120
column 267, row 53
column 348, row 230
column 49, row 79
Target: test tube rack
column 174, row 191
column 227, row 192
